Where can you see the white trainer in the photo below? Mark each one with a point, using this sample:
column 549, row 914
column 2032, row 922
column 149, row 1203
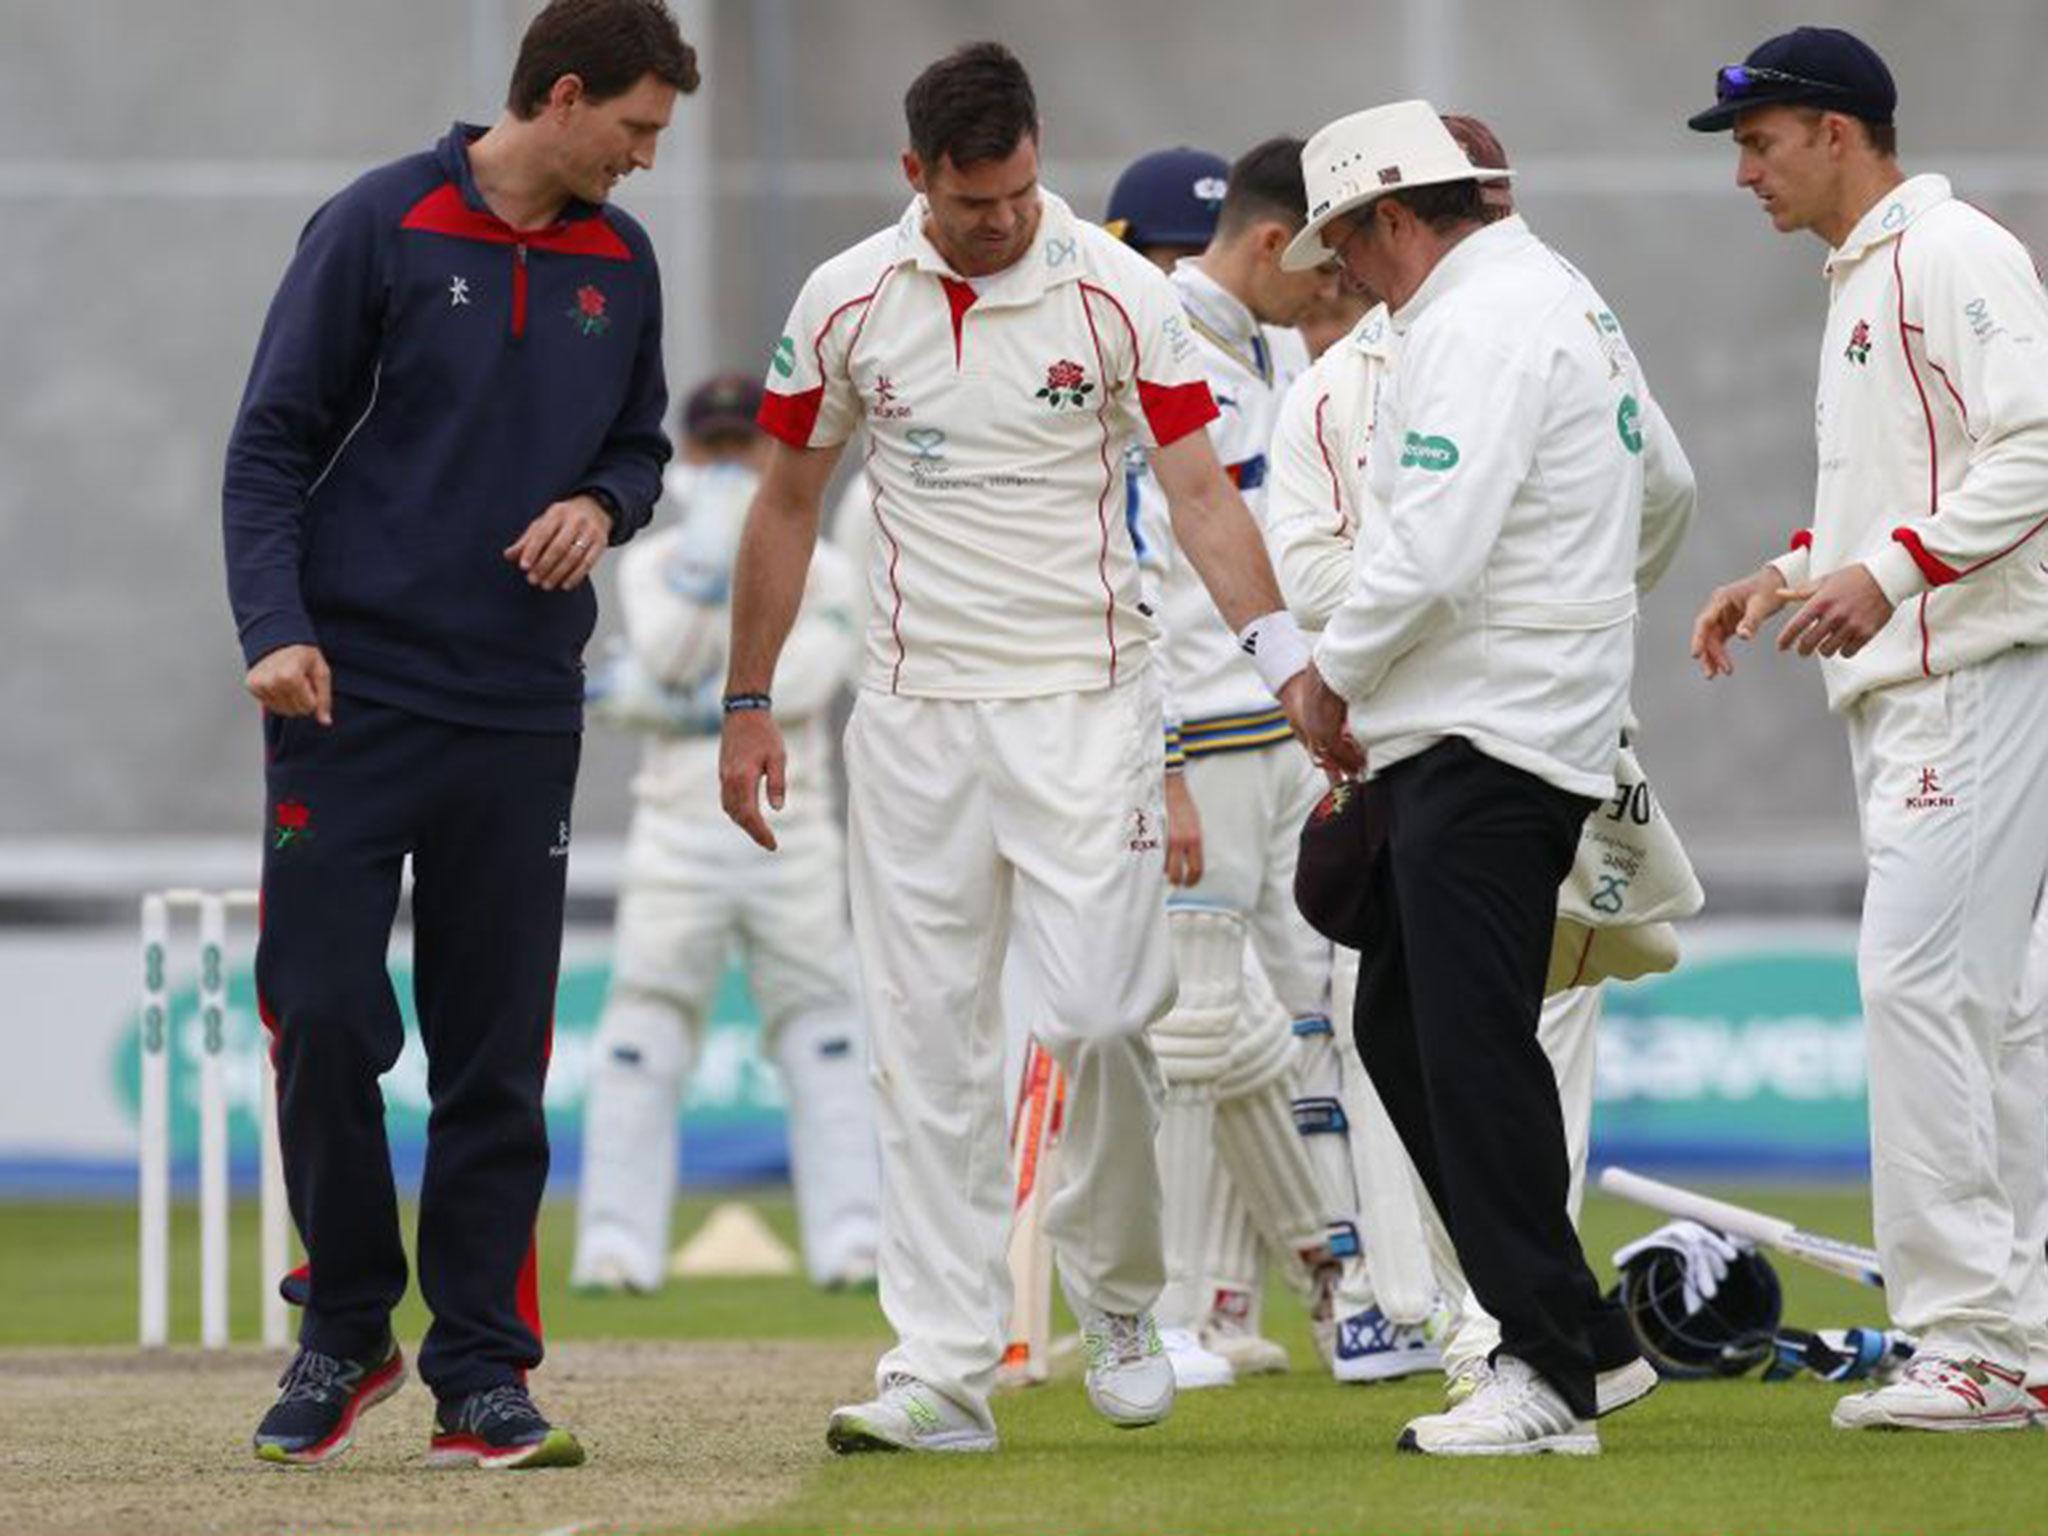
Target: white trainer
column 1513, row 1412
column 1616, row 1389
column 1193, row 1366
column 599, row 1272
column 908, row 1416
column 1939, row 1393
column 1231, row 1333
column 1130, row 1381
column 1465, row 1378
column 1372, row 1347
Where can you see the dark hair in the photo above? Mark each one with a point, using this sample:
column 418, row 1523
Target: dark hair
column 972, row 106
column 1883, row 137
column 1445, row 205
column 607, row 44
column 1265, row 183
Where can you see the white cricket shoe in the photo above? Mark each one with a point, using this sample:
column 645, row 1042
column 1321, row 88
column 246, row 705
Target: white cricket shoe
column 1939, row 1393
column 1616, row 1389
column 601, row 1272
column 1372, row 1347
column 1465, row 1378
column 1513, row 1412
column 1231, row 1333
column 908, row 1416
column 1130, row 1381
column 1193, row 1366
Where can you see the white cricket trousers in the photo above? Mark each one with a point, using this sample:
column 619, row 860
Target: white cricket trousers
column 1952, row 789
column 969, row 820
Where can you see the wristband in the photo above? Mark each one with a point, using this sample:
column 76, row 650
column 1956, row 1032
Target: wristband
column 1276, row 647
column 734, row 703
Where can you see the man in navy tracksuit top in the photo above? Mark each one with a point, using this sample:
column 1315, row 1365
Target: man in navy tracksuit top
column 455, row 406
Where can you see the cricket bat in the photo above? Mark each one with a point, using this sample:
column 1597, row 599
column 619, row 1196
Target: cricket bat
column 1034, row 1169
column 1849, row 1260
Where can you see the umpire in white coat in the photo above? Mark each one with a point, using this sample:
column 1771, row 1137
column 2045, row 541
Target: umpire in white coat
column 1483, row 657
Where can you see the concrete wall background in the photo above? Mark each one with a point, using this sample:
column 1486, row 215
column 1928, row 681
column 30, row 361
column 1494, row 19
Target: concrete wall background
column 157, row 158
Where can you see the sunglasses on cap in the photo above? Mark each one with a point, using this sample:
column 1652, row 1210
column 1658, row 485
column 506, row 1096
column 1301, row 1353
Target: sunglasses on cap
column 1732, row 82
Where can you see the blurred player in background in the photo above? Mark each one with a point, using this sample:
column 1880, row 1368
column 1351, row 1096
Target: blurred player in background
column 1004, row 753
column 696, row 889
column 456, row 404
column 1233, row 1166
column 1920, row 585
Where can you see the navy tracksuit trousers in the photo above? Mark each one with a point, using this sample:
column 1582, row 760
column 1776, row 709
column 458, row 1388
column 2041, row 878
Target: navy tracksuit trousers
column 484, row 816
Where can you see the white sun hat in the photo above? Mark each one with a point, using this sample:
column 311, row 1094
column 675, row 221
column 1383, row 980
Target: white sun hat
column 1360, row 158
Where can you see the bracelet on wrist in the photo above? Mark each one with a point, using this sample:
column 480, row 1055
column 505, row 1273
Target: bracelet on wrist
column 736, row 703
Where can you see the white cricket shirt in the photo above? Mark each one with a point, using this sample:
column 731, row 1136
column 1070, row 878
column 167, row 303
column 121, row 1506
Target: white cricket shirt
column 1932, row 427
column 996, row 421
column 1518, row 456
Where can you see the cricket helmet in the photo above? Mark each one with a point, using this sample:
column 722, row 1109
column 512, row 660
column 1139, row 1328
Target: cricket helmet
column 1728, row 1334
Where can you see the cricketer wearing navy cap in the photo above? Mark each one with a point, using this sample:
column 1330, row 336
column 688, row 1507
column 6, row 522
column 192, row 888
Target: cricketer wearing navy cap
column 1822, row 67
column 723, row 406
column 1165, row 204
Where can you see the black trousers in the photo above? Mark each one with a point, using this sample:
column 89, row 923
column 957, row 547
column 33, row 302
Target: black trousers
column 484, row 815
column 1463, row 898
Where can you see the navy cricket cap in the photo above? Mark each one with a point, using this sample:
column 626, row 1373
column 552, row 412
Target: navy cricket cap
column 723, row 405
column 1822, row 67
column 1169, row 197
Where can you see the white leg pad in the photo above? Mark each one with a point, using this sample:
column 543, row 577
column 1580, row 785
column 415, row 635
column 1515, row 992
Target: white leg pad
column 1190, row 1188
column 640, row 1060
column 1193, row 1041
column 1264, row 1157
column 833, row 1157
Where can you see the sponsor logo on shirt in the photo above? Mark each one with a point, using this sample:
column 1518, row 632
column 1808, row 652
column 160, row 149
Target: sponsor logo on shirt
column 1858, row 350
column 560, row 850
column 1628, row 421
column 1144, row 831
column 1931, row 796
column 1982, row 326
column 784, row 360
column 458, row 292
column 1435, row 454
column 886, row 407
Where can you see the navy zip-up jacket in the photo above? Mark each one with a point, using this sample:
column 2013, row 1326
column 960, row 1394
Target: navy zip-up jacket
column 430, row 380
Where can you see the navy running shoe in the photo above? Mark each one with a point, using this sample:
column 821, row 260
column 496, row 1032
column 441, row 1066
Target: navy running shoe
column 322, row 1396
column 499, row 1427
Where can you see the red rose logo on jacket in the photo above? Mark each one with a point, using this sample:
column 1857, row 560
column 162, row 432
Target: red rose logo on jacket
column 1858, row 350
column 1066, row 383
column 293, row 823
column 589, row 312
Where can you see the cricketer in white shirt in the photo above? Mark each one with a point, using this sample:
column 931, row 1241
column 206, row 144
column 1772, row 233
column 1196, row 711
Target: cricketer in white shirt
column 1004, row 759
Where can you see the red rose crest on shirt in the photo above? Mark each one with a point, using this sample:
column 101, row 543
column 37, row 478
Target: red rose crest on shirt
column 1066, row 384
column 589, row 312
column 1858, row 350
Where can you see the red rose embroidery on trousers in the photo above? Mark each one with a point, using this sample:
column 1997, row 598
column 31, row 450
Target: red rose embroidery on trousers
column 293, row 821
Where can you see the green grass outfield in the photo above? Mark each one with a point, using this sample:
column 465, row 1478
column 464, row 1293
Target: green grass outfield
column 1294, row 1454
